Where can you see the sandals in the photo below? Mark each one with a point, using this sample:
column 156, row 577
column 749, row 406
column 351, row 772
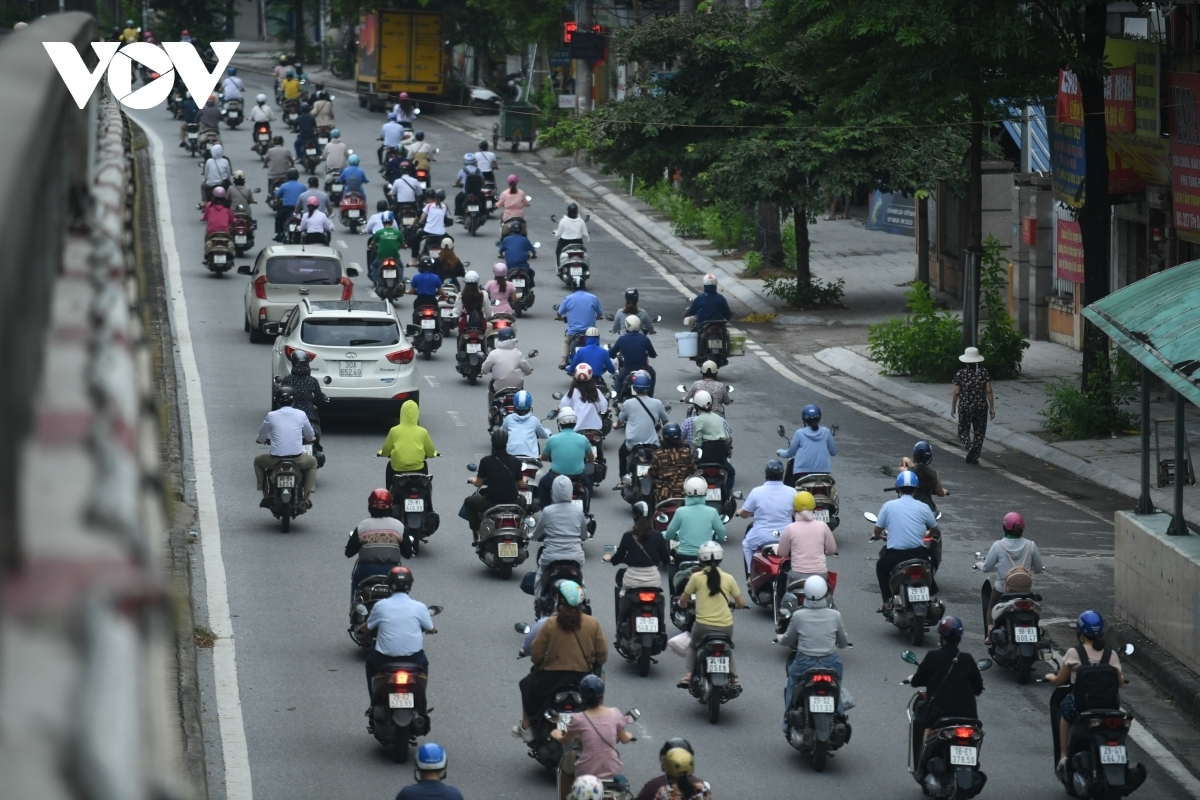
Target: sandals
column 684, row 683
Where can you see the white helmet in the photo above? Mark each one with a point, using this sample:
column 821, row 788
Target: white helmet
column 632, row 323
column 567, row 417
column 710, row 553
column 708, row 368
column 710, row 280
column 471, row 277
column 815, row 588
column 695, row 486
column 702, row 400
column 262, row 98
column 592, row 331
column 587, row 787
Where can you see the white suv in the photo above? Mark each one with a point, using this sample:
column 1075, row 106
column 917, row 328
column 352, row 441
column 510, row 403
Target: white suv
column 356, row 348
column 283, row 274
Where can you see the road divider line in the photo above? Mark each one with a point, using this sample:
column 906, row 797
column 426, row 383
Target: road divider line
column 454, row 415
column 234, row 752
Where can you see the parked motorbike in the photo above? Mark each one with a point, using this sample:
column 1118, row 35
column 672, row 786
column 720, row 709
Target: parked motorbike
column 286, row 483
column 233, row 113
column 399, row 712
column 218, row 252
column 242, row 230
column 948, row 764
column 1015, row 640
column 815, row 725
column 353, row 211
column 412, row 504
column 334, row 186
column 713, row 342
column 913, row 607
column 472, row 350
column 484, row 101
column 639, row 485
column 425, row 333
column 642, row 632
column 262, row 137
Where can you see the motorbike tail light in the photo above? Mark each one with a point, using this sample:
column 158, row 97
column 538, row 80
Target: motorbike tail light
column 831, row 581
column 508, row 522
column 288, row 350
column 347, row 288
column 647, row 597
column 718, row 649
column 916, row 572
column 473, row 336
column 818, row 678
column 710, row 472
column 964, row 733
column 1114, row 722
column 1024, row 605
column 404, row 356
column 260, row 287
column 401, row 677
column 428, row 311
column 500, row 324
column 927, row 539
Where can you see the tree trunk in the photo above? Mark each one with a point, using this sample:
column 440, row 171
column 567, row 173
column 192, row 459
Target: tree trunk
column 767, row 237
column 1094, row 221
column 803, row 245
column 975, row 179
column 298, row 11
column 923, row 240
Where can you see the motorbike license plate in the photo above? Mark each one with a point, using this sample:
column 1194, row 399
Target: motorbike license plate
column 715, row 344
column 1025, row 635
column 239, row 240
column 409, row 221
column 473, row 209
column 414, row 504
column 1112, row 755
column 262, row 137
column 593, row 451
column 576, row 272
column 646, row 624
column 519, row 283
column 353, row 213
column 918, row 594
column 507, row 549
column 643, row 470
column 821, row 515
column 218, row 259
column 448, row 313
column 965, row 756
column 401, row 701
column 423, row 184
column 429, row 323
column 577, row 503
column 713, row 493
column 192, row 135
column 473, row 347
column 286, row 481
column 310, row 151
column 322, row 140
column 350, row 369
column 820, row 705
column 308, row 449
column 389, row 274
column 338, row 187
column 718, row 664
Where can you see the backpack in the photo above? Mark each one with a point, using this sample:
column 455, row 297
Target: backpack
column 1019, row 579
column 1097, row 684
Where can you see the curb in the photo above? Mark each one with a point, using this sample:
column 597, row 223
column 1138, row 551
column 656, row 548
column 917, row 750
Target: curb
column 700, row 262
column 862, row 369
column 1164, row 671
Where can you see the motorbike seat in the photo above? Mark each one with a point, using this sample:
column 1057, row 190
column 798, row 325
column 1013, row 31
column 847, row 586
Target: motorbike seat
column 949, row 722
column 912, row 562
column 1098, row 713
column 506, row 508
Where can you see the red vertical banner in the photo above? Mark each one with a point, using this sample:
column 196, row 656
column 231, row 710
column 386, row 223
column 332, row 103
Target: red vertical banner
column 1068, row 261
column 1119, row 102
column 1069, row 110
column 1185, row 150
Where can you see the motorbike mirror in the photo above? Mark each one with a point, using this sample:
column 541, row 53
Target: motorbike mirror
column 984, row 664
column 553, row 413
column 939, row 516
column 978, row 554
column 608, row 317
column 1128, row 649
column 886, row 470
column 587, row 217
column 699, row 453
column 775, row 534
column 834, row 429
column 669, row 408
column 729, row 389
column 277, row 380
column 531, row 354
column 555, row 306
column 658, row 318
column 351, row 272
column 870, row 517
column 437, row 150
column 681, row 388
column 528, row 199
column 909, row 656
column 521, row 628
column 332, row 98
column 258, row 190
column 537, row 245
column 361, row 610
column 738, row 494
column 435, row 610
column 781, row 431
column 244, row 269
column 472, row 467
column 495, row 302
column 725, row 519
column 554, row 217
column 633, row 715
column 557, row 395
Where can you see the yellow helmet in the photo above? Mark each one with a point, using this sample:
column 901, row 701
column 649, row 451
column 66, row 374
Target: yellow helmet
column 678, row 763
column 804, row 501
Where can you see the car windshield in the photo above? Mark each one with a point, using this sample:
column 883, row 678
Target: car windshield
column 304, row 270
column 350, row 332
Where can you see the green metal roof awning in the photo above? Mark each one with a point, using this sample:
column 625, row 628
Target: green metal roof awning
column 1157, row 321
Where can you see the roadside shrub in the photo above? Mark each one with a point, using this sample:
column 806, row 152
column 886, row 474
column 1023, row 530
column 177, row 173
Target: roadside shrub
column 727, row 226
column 1002, row 345
column 754, row 262
column 653, row 194
column 925, row 344
column 687, row 219
column 813, row 294
column 1075, row 414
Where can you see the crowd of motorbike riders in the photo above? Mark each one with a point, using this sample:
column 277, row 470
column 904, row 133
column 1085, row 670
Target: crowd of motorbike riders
column 677, row 477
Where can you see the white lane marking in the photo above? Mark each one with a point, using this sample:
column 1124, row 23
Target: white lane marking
column 457, row 419
column 1165, row 758
column 234, row 752
column 432, row 380
column 342, row 244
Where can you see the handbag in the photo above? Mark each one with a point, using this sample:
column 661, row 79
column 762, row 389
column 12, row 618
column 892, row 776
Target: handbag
column 680, row 643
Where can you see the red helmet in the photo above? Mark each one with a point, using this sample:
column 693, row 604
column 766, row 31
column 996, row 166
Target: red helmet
column 380, row 500
column 1014, row 523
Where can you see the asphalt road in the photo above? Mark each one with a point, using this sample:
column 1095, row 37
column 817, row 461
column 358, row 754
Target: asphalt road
column 300, row 679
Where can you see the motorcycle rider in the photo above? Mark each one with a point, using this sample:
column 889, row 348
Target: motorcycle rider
column 930, row 481
column 278, row 161
column 512, row 204
column 374, row 223
column 288, row 194
column 191, row 113
column 694, row 524
column 314, row 190
column 306, row 130
column 771, row 507
column 506, row 364
column 812, row 445
column 499, row 481
column 642, row 417
column 240, row 194
column 568, row 452
column 486, row 160
column 599, row 729
column 806, row 542
column 710, row 433
column 420, row 152
column 232, row 87
column 425, row 285
column 671, row 464
column 217, row 172
column 572, row 229
column 290, row 86
column 217, row 213
column 636, row 349
column 644, row 553
column 130, row 34
column 631, row 308
column 906, row 519
column 817, row 632
column 336, row 152
column 378, row 540
column 390, row 133
column 470, row 307
column 594, row 354
column 322, row 108
column 407, row 445
column 431, row 777
column 353, row 177
column 678, row 781
column 405, row 110
column 953, row 680
column 708, row 306
column 448, row 265
column 470, row 180
column 516, row 249
column 210, row 116
column 715, row 388
column 569, row 646
column 262, row 112
column 712, row 589
column 287, row 429
column 1005, row 554
column 315, row 227
column 406, row 190
column 500, row 293
column 307, row 390
column 580, row 309
column 432, row 222
column 523, row 428
column 588, row 402
column 400, row 623
column 388, row 242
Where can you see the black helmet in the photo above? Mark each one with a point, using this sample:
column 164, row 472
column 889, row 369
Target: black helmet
column 518, row 226
column 441, row 195
column 382, row 205
column 572, row 210
column 672, row 432
column 774, row 470
column 591, row 688
column 500, row 440
column 304, row 107
column 430, row 193
column 285, row 395
column 483, row 144
column 922, row 452
column 675, row 742
column 425, row 264
column 293, row 174
column 950, row 628
column 631, row 294
column 419, row 136
column 299, row 357
column 400, row 579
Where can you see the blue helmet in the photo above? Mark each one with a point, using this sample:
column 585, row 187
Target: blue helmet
column 907, row 480
column 505, row 334
column 591, row 688
column 391, row 117
column 523, row 401
column 1090, row 623
column 431, row 757
column 641, row 382
column 922, row 452
column 388, row 216
column 950, row 628
column 233, row 70
column 419, row 136
column 335, row 134
column 811, row 413
column 353, row 160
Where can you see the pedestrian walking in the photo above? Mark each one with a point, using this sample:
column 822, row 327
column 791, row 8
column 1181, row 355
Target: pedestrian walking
column 973, row 402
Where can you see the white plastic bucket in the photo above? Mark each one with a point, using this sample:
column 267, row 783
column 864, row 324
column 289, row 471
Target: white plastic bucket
column 688, row 344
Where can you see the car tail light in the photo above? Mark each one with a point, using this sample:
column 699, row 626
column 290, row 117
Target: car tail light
column 401, row 396
column 404, row 356
column 260, row 287
column 647, row 597
column 288, row 350
column 347, row 288
column 401, row 677
column 818, row 678
column 964, row 733
column 1024, row 605
column 916, row 573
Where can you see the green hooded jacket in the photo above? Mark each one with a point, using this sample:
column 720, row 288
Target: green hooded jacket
column 408, row 444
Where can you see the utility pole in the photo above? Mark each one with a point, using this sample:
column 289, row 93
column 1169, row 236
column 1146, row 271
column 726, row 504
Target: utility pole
column 583, row 83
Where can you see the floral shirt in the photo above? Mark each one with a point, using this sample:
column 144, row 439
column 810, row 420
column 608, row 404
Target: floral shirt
column 972, row 383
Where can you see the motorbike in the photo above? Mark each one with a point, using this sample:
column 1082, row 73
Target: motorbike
column 501, row 406
column 484, row 101
column 1015, row 640
column 546, row 601
column 412, row 504
column 425, row 333
column 617, row 788
column 291, row 113
column 233, row 113
column 682, row 618
column 446, row 301
column 323, row 137
column 262, row 137
column 713, row 343
column 913, row 607
column 353, row 210
column 641, row 635
column 218, row 252
column 311, row 156
column 711, row 681
column 422, row 176
column 291, row 231
column 287, row 501
column 398, row 711
column 529, row 471
column 503, row 540
column 683, row 393
column 598, row 468
column 370, row 591
column 948, row 764
column 564, row 702
column 406, row 215
column 389, row 285
column 639, row 485
column 500, row 321
column 793, row 595
column 242, row 230
column 476, row 213
column 489, row 199
column 815, row 726
column 716, row 495
column 208, row 137
column 193, row 138
column 573, row 266
column 821, row 485
column 432, row 245
column 519, row 276
column 472, row 350
column 334, row 186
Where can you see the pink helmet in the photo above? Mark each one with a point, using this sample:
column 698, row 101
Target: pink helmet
column 500, row 269
column 312, row 201
column 404, row 95
column 583, row 372
column 1014, row 523
column 512, row 180
column 219, row 191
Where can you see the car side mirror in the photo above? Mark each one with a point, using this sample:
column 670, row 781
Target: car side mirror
column 531, row 354
column 270, row 329
column 909, row 656
column 472, row 467
column 244, row 269
column 351, row 272
column 870, row 517
column 522, row 628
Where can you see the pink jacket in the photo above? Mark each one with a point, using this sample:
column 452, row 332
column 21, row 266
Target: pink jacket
column 806, row 542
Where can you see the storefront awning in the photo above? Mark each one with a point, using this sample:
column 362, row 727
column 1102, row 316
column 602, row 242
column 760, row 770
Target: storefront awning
column 1157, row 321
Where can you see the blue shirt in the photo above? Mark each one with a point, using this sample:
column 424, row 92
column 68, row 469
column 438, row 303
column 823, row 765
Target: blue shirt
column 524, row 430
column 392, row 133
column 190, row 110
column 771, row 505
column 427, row 283
column 905, row 519
column 580, row 309
column 811, row 450
column 636, row 347
column 595, row 355
column 709, row 306
column 568, row 451
column 354, row 178
column 401, row 623
column 516, row 250
column 429, row 790
column 289, row 192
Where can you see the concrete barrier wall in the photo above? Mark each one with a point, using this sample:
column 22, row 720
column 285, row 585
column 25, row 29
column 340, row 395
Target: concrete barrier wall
column 1158, row 584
